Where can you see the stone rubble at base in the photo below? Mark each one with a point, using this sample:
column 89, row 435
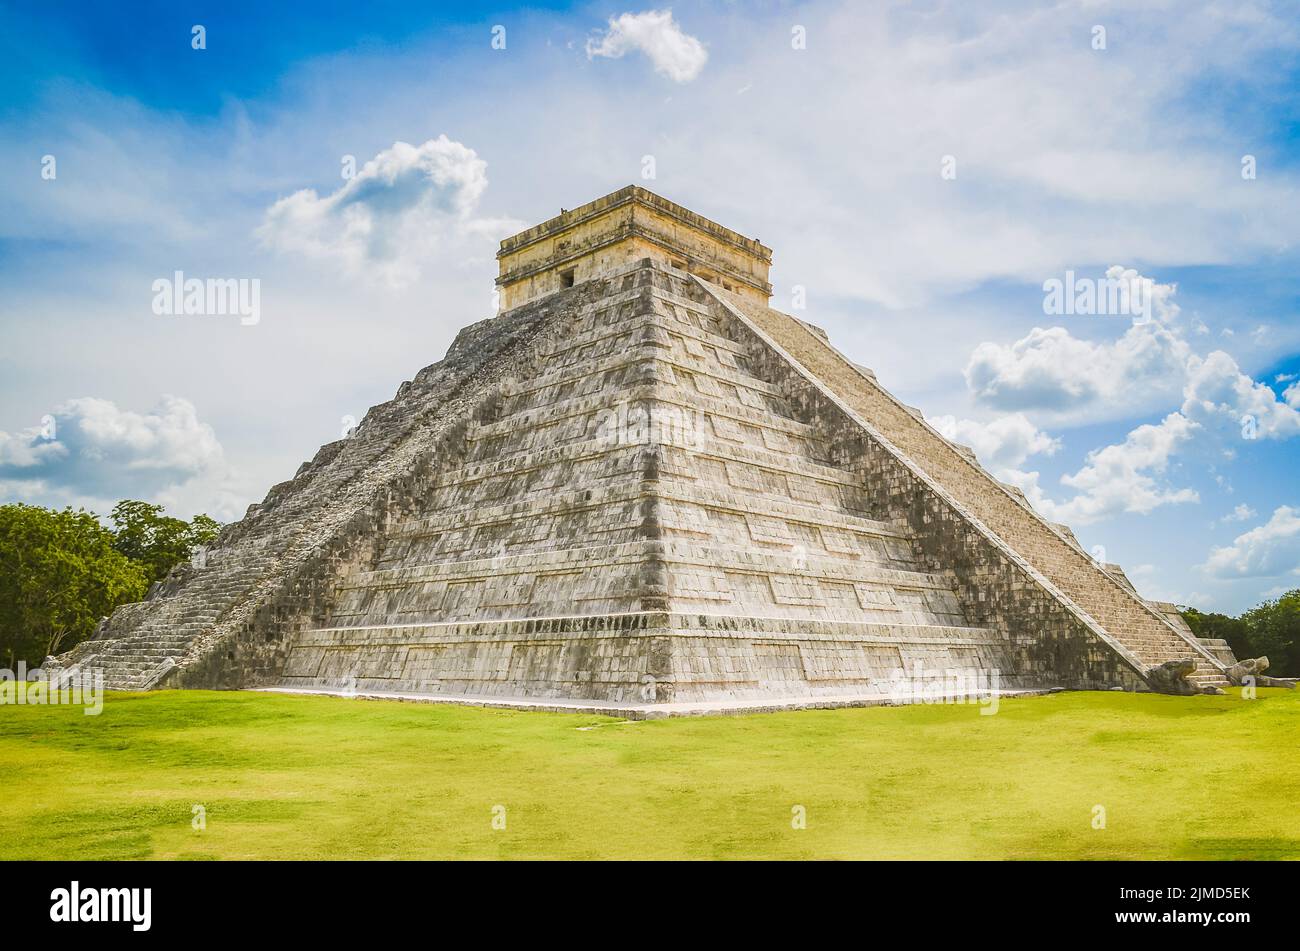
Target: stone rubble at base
column 639, row 487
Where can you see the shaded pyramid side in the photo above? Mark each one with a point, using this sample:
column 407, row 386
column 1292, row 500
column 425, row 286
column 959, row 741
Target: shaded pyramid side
column 787, row 577
column 958, row 490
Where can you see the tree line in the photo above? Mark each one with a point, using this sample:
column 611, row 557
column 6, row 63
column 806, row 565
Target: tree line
column 62, row 571
column 1270, row 629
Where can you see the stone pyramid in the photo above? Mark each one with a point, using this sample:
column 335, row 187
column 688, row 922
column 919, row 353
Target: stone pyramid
column 639, row 487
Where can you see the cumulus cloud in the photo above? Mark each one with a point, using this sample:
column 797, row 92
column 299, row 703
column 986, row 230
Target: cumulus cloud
column 1217, row 393
column 1119, row 477
column 674, row 53
column 91, row 449
column 1265, row 551
column 1217, row 388
column 401, row 210
column 1051, row 370
column 1002, row 443
column 1124, row 477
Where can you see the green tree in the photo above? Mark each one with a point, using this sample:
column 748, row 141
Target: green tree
column 1270, row 629
column 59, row 575
column 1274, row 628
column 1231, row 629
column 158, row 542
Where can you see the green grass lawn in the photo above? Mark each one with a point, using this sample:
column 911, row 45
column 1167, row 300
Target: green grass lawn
column 322, row 777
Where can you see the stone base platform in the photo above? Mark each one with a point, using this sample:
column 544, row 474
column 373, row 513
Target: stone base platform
column 648, row 711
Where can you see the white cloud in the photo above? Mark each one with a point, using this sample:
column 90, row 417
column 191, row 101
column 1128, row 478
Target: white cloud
column 406, row 206
column 1119, row 478
column 1064, row 377
column 1053, row 371
column 1265, row 551
column 1218, row 395
column 675, row 54
column 1240, row 513
column 1005, row 442
column 100, row 453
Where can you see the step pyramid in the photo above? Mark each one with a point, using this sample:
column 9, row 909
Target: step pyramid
column 639, row 485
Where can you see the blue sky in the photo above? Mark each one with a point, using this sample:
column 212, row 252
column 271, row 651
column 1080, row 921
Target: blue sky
column 228, row 162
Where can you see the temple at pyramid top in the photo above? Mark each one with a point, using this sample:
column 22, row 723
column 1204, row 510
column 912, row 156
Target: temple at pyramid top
column 618, row 229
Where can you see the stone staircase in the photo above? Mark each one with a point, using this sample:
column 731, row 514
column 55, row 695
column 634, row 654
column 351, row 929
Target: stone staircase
column 144, row 655
column 1086, row 585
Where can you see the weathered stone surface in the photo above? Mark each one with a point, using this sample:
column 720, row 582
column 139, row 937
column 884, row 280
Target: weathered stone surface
column 629, row 225
column 643, row 488
column 1217, row 646
column 1172, row 677
column 1252, row 670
